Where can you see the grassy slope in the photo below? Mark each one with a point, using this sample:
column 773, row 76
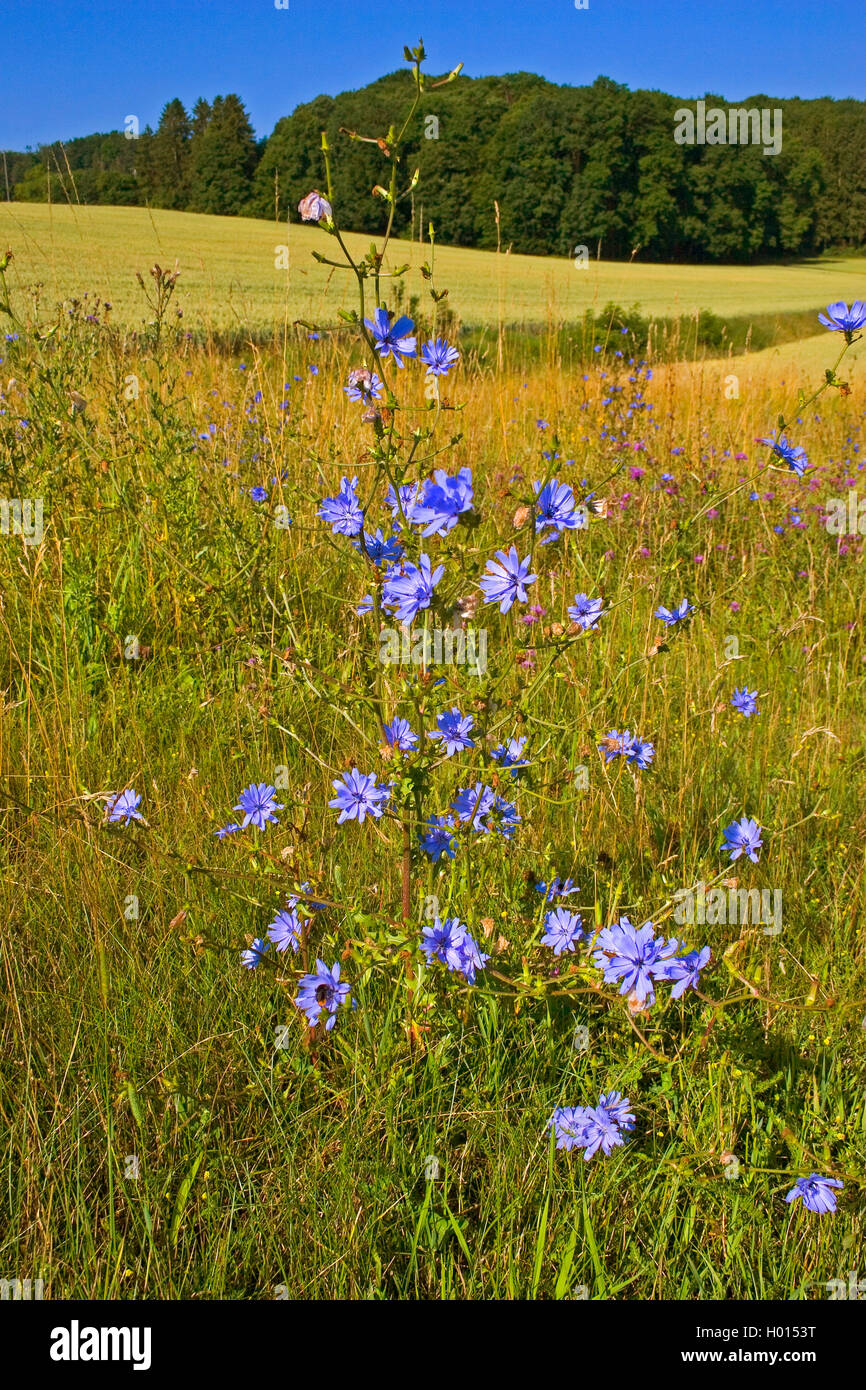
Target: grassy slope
column 229, row 278
column 802, row 361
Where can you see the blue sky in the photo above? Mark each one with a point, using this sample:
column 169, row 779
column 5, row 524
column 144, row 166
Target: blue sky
column 73, row 68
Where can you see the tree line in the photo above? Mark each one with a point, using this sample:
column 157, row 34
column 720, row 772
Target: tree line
column 595, row 166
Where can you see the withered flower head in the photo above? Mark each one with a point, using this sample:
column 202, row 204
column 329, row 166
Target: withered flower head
column 314, row 207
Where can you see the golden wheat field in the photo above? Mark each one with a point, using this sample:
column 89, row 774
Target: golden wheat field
column 229, row 277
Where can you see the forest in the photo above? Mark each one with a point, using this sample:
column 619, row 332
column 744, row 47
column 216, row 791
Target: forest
column 513, row 160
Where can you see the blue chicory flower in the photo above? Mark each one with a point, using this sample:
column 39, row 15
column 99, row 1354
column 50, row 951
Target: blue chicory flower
column 586, row 612
column 745, row 701
column 507, row 580
column 743, row 837
column 364, row 386
column 398, row 734
column 840, row 319
column 635, row 957
column 439, row 838
column 408, row 588
column 671, row 616
column 258, row 803
column 322, row 992
column 439, row 356
column 453, row 729
column 343, row 513
column 792, row 454
column 563, row 930
column 391, row 339
column 816, row 1193
column 253, row 956
column 444, row 500
column 285, row 930
column 358, row 795
column 123, row 806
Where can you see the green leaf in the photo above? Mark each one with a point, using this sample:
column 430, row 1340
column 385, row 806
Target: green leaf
column 134, row 1104
column 563, row 1277
column 539, row 1246
column 183, row 1196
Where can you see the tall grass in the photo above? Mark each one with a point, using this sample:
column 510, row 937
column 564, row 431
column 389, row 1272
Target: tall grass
column 266, row 1164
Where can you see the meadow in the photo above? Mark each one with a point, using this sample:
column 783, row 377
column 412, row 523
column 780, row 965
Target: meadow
column 231, row 284
column 187, row 626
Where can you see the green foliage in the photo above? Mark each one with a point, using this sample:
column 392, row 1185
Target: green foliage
column 92, row 169
column 169, row 158
column 223, row 158
column 568, row 166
